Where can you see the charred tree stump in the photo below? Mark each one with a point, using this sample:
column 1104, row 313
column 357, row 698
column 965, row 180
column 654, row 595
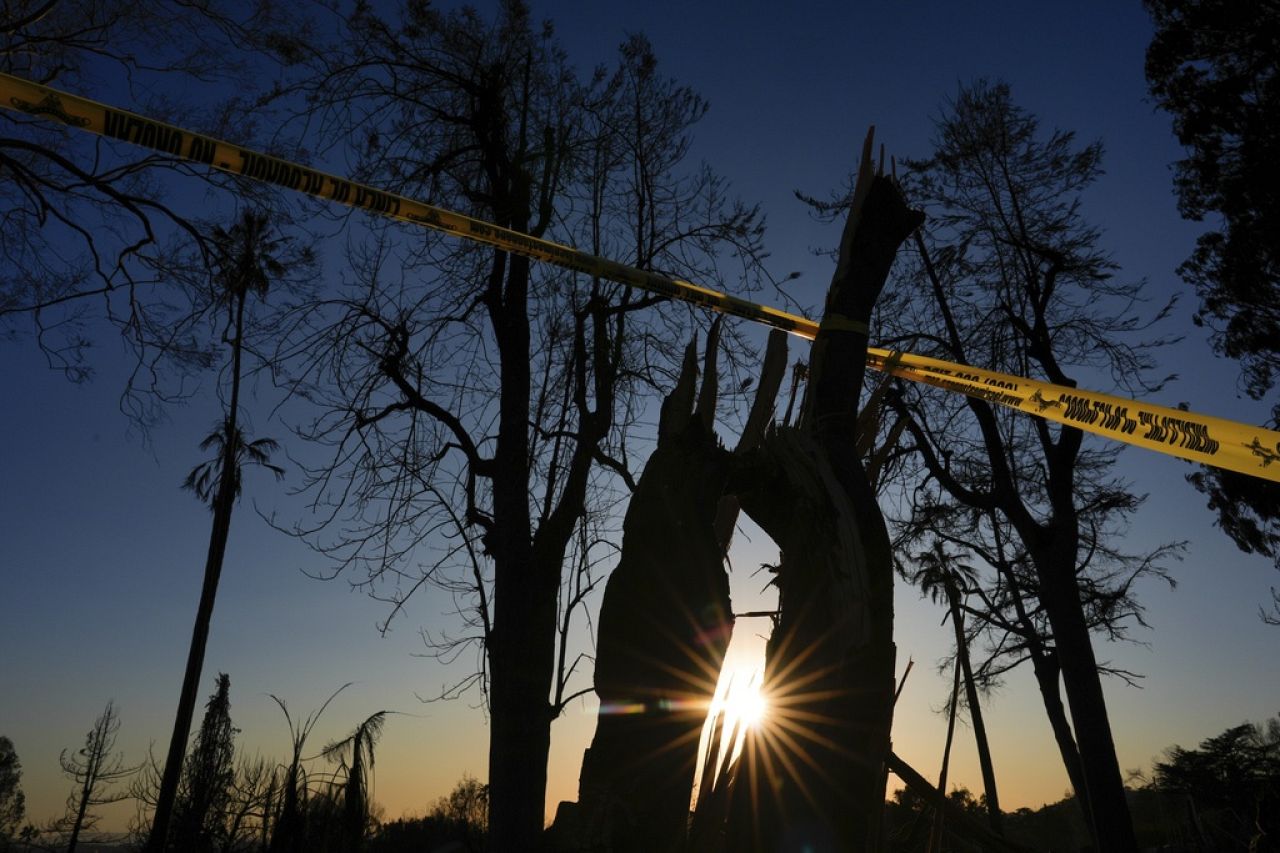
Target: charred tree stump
column 814, row 772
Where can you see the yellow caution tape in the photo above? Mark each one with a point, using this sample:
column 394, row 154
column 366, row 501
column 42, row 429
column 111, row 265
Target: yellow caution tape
column 1187, row 435
column 33, row 99
column 1198, row 438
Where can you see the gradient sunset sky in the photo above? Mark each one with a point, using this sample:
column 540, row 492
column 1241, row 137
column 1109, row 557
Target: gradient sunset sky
column 101, row 555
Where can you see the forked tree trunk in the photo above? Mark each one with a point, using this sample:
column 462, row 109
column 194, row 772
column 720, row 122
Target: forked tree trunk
column 1044, row 664
column 664, row 626
column 1103, row 781
column 1047, row 673
column 813, row 774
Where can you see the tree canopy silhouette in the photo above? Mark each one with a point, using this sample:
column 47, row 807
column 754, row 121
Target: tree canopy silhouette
column 94, row 768
column 1010, row 276
column 1215, row 66
column 90, row 241
column 13, row 802
column 477, row 406
column 250, row 256
column 1231, row 786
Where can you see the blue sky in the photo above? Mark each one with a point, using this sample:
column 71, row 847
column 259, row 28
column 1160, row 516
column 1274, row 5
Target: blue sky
column 101, row 554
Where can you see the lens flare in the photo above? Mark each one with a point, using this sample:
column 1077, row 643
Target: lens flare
column 744, row 703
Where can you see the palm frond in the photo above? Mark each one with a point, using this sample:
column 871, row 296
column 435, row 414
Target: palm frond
column 204, row 480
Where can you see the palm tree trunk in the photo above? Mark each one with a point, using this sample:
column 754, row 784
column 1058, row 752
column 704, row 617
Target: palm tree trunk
column 975, row 714
column 222, row 506
column 353, row 799
column 935, row 833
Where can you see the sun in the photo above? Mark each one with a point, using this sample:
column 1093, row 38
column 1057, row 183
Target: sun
column 744, row 703
column 739, row 706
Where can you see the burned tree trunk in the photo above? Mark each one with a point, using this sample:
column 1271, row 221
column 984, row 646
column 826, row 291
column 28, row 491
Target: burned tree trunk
column 665, row 624
column 814, row 772
column 994, row 814
column 664, row 627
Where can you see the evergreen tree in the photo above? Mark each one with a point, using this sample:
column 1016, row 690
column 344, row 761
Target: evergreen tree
column 207, row 778
column 12, row 801
column 1215, row 66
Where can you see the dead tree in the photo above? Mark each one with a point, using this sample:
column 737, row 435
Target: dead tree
column 94, row 768
column 665, row 623
column 1010, row 276
column 814, row 772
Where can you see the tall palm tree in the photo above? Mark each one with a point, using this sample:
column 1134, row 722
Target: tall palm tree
column 941, row 574
column 246, row 259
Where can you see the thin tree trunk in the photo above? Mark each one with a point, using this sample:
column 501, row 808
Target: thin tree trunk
column 267, row 805
column 935, row 833
column 1045, row 666
column 287, row 837
column 353, row 808
column 86, row 791
column 224, row 502
column 1108, row 801
column 975, row 715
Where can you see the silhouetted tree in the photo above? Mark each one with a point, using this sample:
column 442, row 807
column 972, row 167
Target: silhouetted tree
column 1014, row 623
column 467, row 806
column 1230, row 787
column 1011, row 278
column 249, row 802
column 457, row 821
column 199, row 821
column 358, row 748
column 89, row 239
column 249, row 257
column 814, row 775
column 13, row 805
column 476, row 399
column 288, row 827
column 1215, row 65
column 942, row 575
column 94, row 768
